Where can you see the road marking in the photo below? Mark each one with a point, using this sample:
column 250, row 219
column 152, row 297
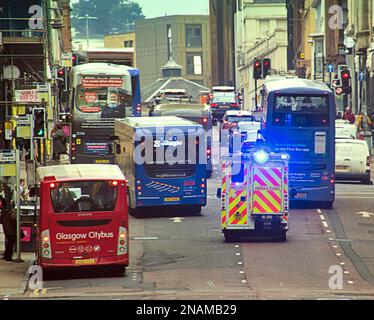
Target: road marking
column 211, row 284
column 342, row 263
column 339, row 254
column 365, row 214
column 328, row 231
column 241, row 272
column 322, row 217
column 238, row 253
column 319, row 211
column 325, row 224
column 177, row 219
column 6, row 297
column 346, row 272
column 350, row 282
column 236, row 246
column 244, row 281
column 240, row 262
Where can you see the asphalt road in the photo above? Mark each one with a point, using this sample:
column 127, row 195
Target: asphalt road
column 187, row 258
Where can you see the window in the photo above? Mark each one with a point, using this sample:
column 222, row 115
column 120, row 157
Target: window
column 194, row 64
column 193, row 36
column 301, row 111
column 128, row 44
column 84, row 196
column 169, row 41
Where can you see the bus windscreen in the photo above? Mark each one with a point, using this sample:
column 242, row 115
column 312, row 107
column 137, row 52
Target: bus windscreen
column 84, row 196
column 104, row 102
column 301, row 111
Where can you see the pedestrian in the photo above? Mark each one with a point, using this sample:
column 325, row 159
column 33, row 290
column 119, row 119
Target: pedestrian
column 364, row 126
column 59, row 142
column 9, row 222
column 349, row 116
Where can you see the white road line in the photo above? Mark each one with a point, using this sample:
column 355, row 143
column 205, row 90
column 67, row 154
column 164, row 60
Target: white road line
column 322, row 217
column 325, row 224
column 319, row 211
column 240, row 262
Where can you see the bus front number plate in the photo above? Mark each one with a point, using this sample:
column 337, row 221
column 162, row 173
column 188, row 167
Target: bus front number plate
column 172, row 199
column 85, row 262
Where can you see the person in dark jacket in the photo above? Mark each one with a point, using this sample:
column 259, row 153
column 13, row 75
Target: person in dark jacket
column 59, row 142
column 349, row 116
column 9, row 223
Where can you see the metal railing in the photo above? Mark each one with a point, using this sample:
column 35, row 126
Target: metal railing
column 20, row 27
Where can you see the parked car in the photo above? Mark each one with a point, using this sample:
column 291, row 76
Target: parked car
column 352, row 160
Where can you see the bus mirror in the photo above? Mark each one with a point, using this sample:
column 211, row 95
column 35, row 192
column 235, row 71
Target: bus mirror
column 219, row 193
column 113, row 138
column 118, row 148
column 110, row 149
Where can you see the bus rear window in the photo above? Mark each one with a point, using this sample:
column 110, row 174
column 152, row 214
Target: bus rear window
column 83, row 196
column 301, row 111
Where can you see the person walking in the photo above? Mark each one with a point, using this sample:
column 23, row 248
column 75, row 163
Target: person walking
column 59, row 142
column 349, row 116
column 9, row 222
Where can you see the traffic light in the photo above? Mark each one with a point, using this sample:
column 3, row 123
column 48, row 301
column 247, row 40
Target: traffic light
column 75, row 59
column 266, row 66
column 257, row 69
column 345, row 77
column 39, row 122
column 61, row 73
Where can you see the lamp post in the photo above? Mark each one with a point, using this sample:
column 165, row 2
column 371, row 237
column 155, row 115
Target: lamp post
column 87, row 17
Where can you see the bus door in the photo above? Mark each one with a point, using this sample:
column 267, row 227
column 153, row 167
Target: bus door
column 84, row 223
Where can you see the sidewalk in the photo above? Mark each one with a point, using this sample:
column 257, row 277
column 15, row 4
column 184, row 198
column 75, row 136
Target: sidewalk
column 13, row 276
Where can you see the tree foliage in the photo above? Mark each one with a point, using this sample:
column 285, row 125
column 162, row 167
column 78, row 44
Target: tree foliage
column 112, row 16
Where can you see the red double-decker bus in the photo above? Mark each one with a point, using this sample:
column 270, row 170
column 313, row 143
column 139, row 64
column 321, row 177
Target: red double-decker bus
column 83, row 218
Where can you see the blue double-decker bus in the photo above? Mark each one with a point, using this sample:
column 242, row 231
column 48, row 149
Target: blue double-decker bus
column 298, row 117
column 164, row 160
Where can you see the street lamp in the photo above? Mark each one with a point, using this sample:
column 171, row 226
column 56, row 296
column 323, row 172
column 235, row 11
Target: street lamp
column 87, row 17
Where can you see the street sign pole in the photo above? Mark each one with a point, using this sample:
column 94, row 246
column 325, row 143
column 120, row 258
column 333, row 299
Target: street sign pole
column 18, row 201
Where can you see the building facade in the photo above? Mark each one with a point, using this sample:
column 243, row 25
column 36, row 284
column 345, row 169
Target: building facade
column 121, row 41
column 32, row 45
column 183, row 38
column 222, row 27
column 261, row 32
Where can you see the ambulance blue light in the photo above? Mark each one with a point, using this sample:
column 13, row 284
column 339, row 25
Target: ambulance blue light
column 261, row 156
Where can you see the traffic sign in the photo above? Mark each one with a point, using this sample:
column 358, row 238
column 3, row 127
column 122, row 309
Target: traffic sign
column 8, row 160
column 330, row 68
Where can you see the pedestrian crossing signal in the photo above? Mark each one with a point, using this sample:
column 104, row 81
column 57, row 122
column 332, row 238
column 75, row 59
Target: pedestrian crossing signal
column 39, row 123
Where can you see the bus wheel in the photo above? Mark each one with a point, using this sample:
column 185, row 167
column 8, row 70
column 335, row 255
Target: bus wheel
column 229, row 237
column 281, row 237
column 117, row 270
column 209, row 174
column 326, row 205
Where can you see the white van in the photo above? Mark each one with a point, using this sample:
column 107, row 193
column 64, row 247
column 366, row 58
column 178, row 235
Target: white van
column 352, row 160
column 345, row 130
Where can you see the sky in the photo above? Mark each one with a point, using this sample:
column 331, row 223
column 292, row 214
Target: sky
column 157, row 8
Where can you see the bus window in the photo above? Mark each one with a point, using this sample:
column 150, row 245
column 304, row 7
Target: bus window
column 83, row 196
column 301, row 110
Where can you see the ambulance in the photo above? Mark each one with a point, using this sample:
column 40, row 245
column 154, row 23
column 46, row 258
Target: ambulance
column 254, row 196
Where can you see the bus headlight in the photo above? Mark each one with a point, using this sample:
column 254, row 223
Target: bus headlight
column 261, row 156
column 284, row 156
